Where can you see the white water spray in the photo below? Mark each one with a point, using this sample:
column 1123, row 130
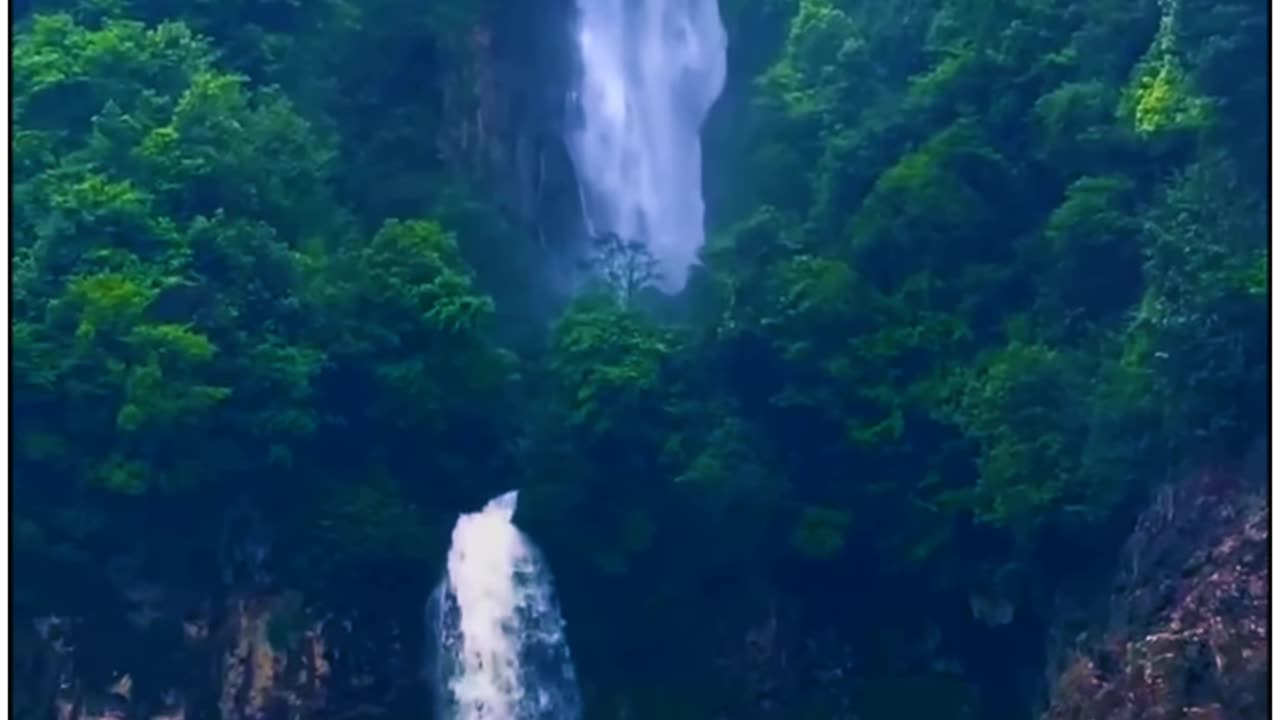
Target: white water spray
column 650, row 72
column 501, row 651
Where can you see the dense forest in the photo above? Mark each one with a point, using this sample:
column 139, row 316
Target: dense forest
column 295, row 283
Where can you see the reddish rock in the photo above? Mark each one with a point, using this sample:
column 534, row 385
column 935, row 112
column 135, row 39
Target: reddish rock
column 1187, row 634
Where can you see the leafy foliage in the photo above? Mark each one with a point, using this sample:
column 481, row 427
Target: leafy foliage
column 981, row 276
column 189, row 293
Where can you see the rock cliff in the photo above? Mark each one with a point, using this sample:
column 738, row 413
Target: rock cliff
column 1185, row 633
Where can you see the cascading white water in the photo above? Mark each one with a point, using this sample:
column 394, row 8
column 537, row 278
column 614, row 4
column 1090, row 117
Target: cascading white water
column 500, row 647
column 650, row 72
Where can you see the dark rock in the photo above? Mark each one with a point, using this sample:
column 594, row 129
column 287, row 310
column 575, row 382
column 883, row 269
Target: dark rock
column 1186, row 632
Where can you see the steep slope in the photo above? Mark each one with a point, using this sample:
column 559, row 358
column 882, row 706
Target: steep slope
column 1186, row 633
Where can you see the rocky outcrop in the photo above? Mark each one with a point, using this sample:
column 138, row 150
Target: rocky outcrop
column 265, row 656
column 1186, row 632
column 506, row 105
column 777, row 664
column 269, row 669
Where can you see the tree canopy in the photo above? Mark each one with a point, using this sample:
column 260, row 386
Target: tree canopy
column 980, row 277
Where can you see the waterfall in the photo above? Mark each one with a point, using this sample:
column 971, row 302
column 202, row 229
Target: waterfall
column 500, row 647
column 650, row 70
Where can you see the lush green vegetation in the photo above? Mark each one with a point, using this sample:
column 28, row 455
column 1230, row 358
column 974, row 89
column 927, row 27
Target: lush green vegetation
column 981, row 276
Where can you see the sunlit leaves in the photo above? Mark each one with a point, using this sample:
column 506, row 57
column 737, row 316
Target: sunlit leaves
column 938, row 207
column 1203, row 317
column 611, row 360
column 1023, row 407
column 142, row 313
column 65, row 72
column 109, row 302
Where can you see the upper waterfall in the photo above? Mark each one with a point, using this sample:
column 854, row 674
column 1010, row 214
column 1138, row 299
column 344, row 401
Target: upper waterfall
column 650, row 71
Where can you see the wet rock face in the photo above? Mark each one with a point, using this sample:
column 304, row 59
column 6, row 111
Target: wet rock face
column 779, row 667
column 263, row 657
column 505, row 105
column 269, row 669
column 65, row 675
column 1186, row 635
